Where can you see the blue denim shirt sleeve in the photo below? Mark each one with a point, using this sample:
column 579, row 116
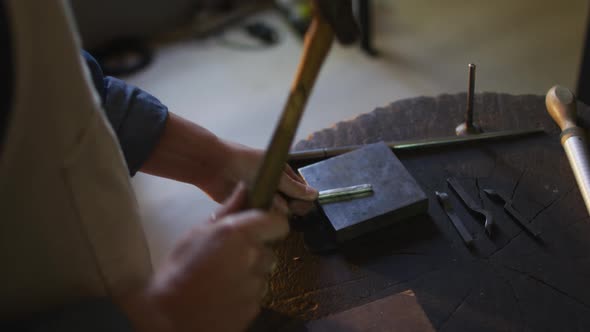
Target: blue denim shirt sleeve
column 137, row 117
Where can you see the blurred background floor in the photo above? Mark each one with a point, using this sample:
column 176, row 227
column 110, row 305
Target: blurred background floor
column 425, row 45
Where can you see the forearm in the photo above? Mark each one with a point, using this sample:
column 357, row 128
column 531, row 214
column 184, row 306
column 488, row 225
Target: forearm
column 190, row 153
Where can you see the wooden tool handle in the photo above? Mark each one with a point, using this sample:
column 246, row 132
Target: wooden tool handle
column 317, row 44
column 561, row 105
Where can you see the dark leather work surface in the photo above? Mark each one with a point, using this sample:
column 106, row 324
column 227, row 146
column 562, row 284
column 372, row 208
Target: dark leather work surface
column 508, row 283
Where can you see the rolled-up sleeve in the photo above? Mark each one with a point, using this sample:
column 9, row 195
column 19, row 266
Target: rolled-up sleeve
column 137, row 118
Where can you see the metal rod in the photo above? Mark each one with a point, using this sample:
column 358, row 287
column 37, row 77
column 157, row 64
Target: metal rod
column 443, row 199
column 467, row 127
column 577, row 155
column 561, row 105
column 323, row 153
column 470, row 94
column 345, row 193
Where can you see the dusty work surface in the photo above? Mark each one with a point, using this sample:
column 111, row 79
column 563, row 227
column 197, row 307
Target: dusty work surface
column 510, row 283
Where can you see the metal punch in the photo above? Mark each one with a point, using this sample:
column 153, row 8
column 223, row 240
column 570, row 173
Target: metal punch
column 443, row 199
column 470, row 203
column 345, row 194
column 468, row 127
column 513, row 213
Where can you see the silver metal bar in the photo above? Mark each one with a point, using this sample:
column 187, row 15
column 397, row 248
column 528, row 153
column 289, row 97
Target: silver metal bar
column 345, row 193
column 561, row 105
column 443, row 199
column 575, row 149
column 323, row 153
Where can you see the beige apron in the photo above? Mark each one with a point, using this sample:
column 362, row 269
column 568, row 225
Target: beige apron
column 69, row 226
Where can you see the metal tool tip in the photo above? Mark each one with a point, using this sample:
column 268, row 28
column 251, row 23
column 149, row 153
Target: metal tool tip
column 490, row 192
column 472, row 66
column 441, row 195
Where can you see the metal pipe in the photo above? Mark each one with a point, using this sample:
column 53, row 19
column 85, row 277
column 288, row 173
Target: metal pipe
column 470, row 92
column 323, row 153
column 561, row 105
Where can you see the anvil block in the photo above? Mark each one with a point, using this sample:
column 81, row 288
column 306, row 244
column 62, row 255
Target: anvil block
column 396, row 194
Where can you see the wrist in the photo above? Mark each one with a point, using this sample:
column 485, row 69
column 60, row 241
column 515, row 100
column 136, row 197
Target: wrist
column 243, row 163
column 217, row 175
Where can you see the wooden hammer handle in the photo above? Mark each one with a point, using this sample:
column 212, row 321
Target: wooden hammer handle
column 317, row 44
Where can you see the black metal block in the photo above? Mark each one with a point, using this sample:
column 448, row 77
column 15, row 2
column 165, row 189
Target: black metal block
column 396, row 194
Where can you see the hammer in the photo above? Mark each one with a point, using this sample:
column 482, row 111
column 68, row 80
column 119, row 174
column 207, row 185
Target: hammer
column 331, row 18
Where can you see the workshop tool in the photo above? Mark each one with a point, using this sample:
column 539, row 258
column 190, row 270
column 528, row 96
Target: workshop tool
column 344, row 194
column 468, row 127
column 396, row 194
column 512, row 212
column 312, row 155
column 318, row 41
column 470, row 203
column 443, row 199
column 561, row 105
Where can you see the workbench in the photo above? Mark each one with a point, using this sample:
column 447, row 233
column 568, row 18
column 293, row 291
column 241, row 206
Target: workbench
column 418, row 275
